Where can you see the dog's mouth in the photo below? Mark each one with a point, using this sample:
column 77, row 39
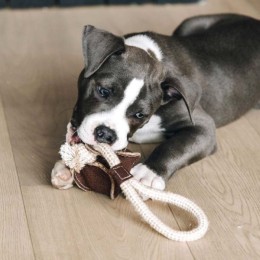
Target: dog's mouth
column 72, row 135
column 75, row 138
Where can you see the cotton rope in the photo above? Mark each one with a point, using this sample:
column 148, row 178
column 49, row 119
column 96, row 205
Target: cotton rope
column 77, row 156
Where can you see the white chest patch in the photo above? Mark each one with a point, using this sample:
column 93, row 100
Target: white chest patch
column 114, row 119
column 146, row 43
column 151, row 132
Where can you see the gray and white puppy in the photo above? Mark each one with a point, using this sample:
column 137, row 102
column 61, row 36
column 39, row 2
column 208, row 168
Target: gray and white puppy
column 175, row 90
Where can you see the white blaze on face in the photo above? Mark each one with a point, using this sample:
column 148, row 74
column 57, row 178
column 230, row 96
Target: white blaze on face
column 114, row 119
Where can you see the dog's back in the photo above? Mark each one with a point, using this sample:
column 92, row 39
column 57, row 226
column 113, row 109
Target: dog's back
column 226, row 54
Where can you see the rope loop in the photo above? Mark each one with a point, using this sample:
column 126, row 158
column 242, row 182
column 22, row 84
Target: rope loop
column 78, row 155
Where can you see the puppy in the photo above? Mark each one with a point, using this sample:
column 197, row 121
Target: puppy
column 173, row 90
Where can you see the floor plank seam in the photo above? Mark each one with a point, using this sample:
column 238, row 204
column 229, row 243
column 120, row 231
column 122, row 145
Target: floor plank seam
column 187, row 243
column 16, row 170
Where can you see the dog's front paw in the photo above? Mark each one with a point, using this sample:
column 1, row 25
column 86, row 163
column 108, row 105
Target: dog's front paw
column 148, row 177
column 61, row 177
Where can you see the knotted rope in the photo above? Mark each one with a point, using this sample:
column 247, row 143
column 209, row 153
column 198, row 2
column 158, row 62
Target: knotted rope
column 77, row 156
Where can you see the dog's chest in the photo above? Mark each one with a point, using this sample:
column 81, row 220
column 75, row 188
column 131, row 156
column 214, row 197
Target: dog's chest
column 152, row 132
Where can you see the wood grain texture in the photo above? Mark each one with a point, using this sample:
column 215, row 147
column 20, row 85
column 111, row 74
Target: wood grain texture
column 253, row 118
column 15, row 241
column 40, row 58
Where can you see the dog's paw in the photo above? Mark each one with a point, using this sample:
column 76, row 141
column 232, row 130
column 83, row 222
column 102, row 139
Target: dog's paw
column 147, row 177
column 61, row 177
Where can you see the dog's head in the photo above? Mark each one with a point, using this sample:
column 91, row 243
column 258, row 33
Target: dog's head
column 122, row 85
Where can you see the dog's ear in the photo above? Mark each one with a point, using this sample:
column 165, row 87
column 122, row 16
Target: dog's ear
column 181, row 88
column 98, row 46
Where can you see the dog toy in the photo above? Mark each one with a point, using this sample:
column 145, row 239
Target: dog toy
column 79, row 156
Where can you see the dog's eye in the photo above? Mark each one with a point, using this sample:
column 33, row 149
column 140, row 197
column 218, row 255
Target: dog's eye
column 103, row 92
column 139, row 115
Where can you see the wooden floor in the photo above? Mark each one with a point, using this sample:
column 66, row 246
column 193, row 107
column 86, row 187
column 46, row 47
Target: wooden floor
column 40, row 58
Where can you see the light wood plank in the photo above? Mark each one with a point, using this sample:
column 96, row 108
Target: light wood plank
column 15, row 241
column 253, row 118
column 255, row 4
column 246, row 7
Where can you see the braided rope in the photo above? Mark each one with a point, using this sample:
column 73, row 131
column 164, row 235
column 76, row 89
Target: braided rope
column 77, row 156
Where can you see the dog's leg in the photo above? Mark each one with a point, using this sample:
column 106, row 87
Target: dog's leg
column 188, row 145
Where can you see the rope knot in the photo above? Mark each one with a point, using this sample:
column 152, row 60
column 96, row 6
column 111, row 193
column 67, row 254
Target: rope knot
column 76, row 156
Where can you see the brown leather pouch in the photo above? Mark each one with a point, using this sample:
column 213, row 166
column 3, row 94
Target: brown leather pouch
column 97, row 176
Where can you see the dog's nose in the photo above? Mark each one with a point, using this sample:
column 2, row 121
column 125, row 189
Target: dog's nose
column 104, row 134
